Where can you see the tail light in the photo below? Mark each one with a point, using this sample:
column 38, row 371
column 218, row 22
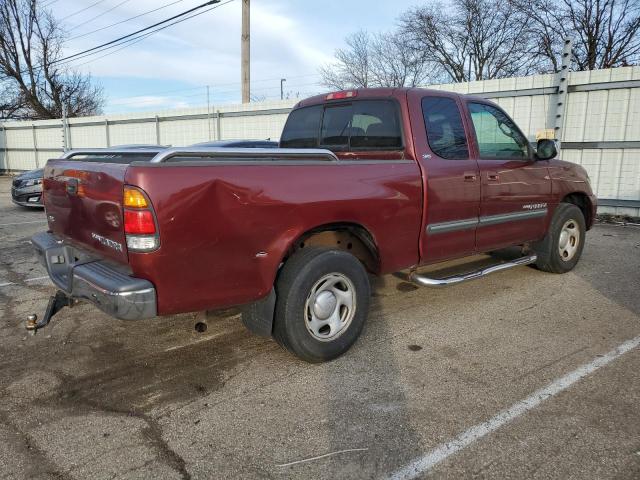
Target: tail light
column 140, row 226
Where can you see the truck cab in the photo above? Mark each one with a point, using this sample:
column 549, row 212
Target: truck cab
column 485, row 187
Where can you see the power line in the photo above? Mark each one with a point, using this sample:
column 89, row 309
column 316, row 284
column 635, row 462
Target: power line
column 81, row 10
column 186, row 12
column 124, row 44
column 98, row 16
column 131, row 41
column 134, row 40
column 125, row 20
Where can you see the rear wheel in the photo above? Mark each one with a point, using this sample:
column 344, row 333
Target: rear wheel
column 562, row 247
column 322, row 301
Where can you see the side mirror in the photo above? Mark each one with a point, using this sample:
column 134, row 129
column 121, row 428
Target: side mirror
column 546, row 149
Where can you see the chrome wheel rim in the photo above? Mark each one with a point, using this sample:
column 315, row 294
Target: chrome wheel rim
column 569, row 240
column 330, row 307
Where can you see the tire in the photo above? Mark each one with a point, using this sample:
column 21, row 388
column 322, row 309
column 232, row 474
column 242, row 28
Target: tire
column 559, row 252
column 314, row 325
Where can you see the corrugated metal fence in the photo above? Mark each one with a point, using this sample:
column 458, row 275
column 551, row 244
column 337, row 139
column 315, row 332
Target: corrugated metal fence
column 597, row 114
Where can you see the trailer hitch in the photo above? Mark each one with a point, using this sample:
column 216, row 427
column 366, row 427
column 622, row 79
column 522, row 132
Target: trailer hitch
column 56, row 303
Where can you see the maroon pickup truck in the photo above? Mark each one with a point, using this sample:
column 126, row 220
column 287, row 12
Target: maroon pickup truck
column 369, row 181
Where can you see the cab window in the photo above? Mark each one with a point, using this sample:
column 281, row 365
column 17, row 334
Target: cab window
column 445, row 132
column 336, row 125
column 497, row 135
column 301, row 129
column 355, row 126
column 375, row 126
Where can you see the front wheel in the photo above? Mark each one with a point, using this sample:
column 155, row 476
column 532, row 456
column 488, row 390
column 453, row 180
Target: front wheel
column 322, row 301
column 561, row 248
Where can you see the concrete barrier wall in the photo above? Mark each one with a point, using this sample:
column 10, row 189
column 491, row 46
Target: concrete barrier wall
column 599, row 127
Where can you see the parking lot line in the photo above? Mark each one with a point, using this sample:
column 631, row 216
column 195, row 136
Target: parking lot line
column 445, row 450
column 36, row 278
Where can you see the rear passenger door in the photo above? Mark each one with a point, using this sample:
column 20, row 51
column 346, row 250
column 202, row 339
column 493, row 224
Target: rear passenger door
column 452, row 188
column 515, row 186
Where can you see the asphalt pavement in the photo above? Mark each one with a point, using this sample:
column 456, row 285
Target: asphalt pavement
column 522, row 374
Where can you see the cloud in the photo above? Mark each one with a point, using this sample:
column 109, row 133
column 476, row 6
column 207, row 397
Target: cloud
column 206, row 49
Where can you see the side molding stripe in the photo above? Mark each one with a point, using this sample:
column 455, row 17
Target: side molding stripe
column 454, row 226
column 469, row 223
column 509, row 217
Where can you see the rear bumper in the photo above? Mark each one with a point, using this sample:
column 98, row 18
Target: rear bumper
column 83, row 276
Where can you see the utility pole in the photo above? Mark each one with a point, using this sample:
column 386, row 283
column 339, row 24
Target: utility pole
column 282, row 80
column 245, row 52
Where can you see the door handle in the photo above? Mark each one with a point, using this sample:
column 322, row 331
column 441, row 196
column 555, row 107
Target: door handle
column 469, row 177
column 493, row 176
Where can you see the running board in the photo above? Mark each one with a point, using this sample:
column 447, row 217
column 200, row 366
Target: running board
column 483, row 272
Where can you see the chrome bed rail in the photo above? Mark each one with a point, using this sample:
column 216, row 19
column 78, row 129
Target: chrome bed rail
column 259, row 154
column 105, row 151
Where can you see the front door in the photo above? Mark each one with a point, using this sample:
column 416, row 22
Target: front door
column 515, row 187
column 451, row 176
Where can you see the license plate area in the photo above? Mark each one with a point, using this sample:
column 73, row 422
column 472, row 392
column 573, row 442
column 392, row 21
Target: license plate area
column 60, row 262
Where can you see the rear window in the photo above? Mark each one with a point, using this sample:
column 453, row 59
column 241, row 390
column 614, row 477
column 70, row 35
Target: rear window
column 301, row 130
column 359, row 125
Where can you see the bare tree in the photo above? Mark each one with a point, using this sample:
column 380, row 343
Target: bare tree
column 471, row 39
column 605, row 33
column 374, row 60
column 353, row 64
column 484, row 39
column 34, row 84
column 395, row 64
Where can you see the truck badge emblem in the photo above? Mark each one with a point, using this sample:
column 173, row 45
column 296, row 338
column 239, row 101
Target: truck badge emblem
column 107, row 242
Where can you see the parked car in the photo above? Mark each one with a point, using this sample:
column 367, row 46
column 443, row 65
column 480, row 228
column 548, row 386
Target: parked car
column 26, row 189
column 369, row 181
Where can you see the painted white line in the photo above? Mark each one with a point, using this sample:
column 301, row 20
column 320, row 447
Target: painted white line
column 206, row 339
column 6, row 284
column 442, row 452
column 36, row 278
column 322, row 456
column 21, row 223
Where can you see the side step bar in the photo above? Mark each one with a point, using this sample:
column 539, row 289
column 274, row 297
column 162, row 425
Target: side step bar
column 445, row 282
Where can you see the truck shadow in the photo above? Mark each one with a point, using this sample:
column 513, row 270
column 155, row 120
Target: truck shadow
column 363, row 396
column 611, row 264
column 367, row 403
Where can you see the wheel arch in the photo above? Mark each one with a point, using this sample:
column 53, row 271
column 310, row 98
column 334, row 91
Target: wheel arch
column 346, row 236
column 583, row 202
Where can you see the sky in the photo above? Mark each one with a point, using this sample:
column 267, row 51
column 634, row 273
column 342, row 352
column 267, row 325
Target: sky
column 171, row 69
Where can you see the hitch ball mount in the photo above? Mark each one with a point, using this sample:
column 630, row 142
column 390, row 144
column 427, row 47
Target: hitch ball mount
column 56, row 303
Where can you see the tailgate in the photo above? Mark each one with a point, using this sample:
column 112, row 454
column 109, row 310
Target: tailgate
column 83, row 202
